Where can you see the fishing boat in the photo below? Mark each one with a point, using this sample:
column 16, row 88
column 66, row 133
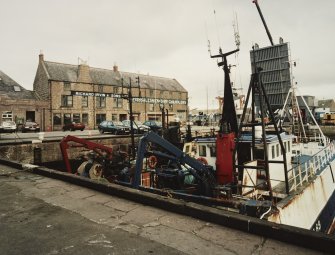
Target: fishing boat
column 252, row 166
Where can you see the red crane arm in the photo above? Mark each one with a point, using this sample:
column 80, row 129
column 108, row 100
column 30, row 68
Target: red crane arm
column 96, row 147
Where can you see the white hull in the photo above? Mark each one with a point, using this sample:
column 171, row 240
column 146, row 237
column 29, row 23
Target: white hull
column 312, row 191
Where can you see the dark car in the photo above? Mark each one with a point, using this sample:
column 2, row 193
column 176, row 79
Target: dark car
column 74, row 126
column 154, row 125
column 116, row 128
column 138, row 127
column 30, row 126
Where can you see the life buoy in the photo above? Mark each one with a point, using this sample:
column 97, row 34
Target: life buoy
column 203, row 160
column 152, row 161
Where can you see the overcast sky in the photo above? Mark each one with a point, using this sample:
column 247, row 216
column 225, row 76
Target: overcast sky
column 169, row 39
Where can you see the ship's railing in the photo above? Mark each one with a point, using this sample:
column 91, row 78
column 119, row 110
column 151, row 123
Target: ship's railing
column 306, row 170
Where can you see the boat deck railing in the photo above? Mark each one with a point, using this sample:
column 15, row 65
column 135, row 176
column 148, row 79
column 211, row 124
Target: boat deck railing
column 308, row 168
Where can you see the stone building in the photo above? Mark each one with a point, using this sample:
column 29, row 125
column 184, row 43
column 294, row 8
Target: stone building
column 327, row 103
column 91, row 95
column 20, row 105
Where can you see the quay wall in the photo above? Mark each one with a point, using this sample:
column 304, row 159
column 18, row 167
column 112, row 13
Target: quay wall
column 49, row 151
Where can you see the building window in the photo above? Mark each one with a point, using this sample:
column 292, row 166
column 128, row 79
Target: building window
column 117, row 102
column 84, row 101
column 76, row 117
column 67, row 118
column 161, row 94
column 101, row 102
column 115, row 90
column 151, row 93
column 57, row 119
column 114, row 117
column 7, row 116
column 100, row 88
column 100, row 118
column 67, row 86
column 85, row 118
column 67, row 101
column 151, row 107
column 170, row 107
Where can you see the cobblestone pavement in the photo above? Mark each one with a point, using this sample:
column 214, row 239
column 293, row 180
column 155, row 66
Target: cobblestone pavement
column 39, row 215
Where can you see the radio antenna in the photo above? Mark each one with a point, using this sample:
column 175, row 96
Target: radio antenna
column 236, row 31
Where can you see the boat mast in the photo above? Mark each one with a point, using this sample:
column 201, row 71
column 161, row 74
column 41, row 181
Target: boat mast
column 263, row 20
column 228, row 118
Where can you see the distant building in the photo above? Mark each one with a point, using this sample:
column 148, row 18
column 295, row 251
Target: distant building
column 91, row 95
column 324, row 107
column 19, row 105
column 327, row 103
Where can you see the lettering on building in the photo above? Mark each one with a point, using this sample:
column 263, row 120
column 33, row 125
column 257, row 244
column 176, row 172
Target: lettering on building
column 135, row 99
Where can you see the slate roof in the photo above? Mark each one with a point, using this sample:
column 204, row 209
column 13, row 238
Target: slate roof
column 67, row 72
column 8, row 88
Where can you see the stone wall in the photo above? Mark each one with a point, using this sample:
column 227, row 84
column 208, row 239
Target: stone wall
column 50, row 150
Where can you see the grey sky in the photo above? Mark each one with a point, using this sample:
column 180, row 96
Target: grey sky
column 169, row 39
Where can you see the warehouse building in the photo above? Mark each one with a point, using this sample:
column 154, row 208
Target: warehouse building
column 90, row 95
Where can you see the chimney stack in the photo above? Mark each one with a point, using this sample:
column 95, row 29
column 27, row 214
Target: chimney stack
column 41, row 57
column 84, row 73
column 115, row 68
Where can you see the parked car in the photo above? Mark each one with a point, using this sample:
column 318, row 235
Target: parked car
column 74, row 126
column 138, row 127
column 154, row 125
column 9, row 126
column 114, row 127
column 30, row 126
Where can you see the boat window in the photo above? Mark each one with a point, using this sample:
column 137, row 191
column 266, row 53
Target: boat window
column 288, row 146
column 285, row 146
column 187, row 149
column 273, row 151
column 202, row 150
column 280, row 150
column 277, row 149
column 259, row 153
column 212, row 150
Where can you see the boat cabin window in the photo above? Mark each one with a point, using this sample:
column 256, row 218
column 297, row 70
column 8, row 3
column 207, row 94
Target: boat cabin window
column 288, row 146
column 187, row 149
column 277, row 149
column 285, row 146
column 259, row 153
column 212, row 150
column 273, row 151
column 202, row 150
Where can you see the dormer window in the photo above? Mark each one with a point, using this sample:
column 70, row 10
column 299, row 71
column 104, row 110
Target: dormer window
column 17, row 88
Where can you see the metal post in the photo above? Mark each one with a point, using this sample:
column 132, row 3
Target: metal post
column 130, row 99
